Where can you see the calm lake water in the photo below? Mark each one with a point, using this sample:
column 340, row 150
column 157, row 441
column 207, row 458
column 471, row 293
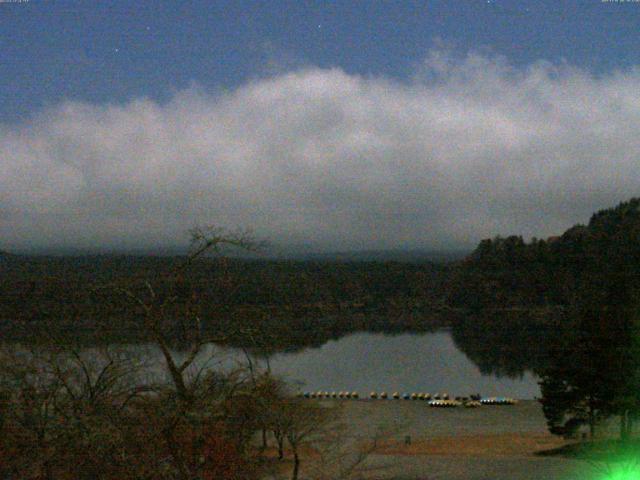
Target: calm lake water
column 363, row 362
column 405, row 363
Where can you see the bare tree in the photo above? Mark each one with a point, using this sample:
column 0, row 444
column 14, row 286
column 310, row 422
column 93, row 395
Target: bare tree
column 341, row 455
column 303, row 423
column 166, row 308
column 64, row 409
column 175, row 305
column 70, row 407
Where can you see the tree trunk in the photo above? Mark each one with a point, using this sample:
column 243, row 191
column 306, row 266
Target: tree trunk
column 174, row 371
column 592, row 423
column 280, row 441
column 264, row 438
column 296, row 465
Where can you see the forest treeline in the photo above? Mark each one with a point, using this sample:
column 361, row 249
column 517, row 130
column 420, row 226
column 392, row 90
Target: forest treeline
column 285, row 304
column 553, row 273
column 529, row 287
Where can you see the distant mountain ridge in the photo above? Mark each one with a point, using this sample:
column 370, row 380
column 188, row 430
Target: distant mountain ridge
column 397, row 255
column 5, row 254
column 393, row 255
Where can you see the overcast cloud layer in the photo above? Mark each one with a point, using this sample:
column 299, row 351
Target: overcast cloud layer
column 467, row 149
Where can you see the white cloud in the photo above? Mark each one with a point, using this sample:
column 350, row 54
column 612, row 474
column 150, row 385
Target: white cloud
column 469, row 148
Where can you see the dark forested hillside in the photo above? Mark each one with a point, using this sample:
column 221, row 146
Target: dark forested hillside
column 581, row 288
column 601, row 257
column 294, row 299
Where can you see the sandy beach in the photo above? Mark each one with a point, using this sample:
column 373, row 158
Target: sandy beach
column 486, row 443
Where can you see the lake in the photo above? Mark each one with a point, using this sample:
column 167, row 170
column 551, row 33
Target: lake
column 365, row 362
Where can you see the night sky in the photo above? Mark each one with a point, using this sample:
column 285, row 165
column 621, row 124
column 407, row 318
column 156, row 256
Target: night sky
column 334, row 125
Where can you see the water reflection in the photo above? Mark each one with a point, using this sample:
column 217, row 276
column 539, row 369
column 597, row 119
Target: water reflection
column 493, row 355
column 429, row 362
column 508, row 343
column 414, row 363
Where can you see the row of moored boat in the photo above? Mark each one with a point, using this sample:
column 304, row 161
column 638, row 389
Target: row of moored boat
column 437, row 400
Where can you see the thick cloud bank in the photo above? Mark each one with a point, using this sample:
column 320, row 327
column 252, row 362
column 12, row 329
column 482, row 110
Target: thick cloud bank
column 467, row 149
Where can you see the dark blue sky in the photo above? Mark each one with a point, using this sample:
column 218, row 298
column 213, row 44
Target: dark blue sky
column 113, row 51
column 334, row 125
